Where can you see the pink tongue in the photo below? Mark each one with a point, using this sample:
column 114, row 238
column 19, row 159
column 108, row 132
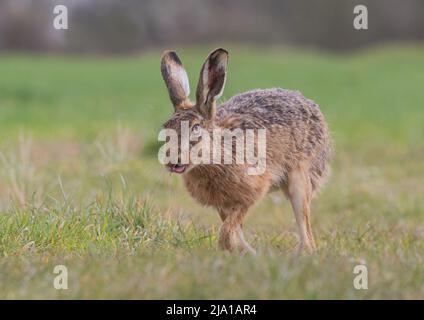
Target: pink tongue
column 179, row 169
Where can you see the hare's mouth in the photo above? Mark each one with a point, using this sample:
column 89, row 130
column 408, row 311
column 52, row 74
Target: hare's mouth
column 178, row 168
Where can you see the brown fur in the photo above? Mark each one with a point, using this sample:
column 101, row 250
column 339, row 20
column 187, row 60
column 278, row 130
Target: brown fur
column 298, row 149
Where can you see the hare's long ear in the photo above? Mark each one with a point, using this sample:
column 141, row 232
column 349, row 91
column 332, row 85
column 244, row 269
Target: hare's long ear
column 212, row 81
column 176, row 79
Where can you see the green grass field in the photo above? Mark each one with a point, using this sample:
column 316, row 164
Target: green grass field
column 80, row 184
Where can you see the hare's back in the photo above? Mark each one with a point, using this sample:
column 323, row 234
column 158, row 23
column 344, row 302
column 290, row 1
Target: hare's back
column 265, row 107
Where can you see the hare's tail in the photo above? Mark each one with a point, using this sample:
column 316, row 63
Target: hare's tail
column 320, row 169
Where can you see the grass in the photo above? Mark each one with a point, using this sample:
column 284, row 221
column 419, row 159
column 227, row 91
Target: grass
column 80, row 184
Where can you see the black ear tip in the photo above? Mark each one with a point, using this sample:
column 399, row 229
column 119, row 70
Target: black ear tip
column 218, row 56
column 171, row 56
column 220, row 51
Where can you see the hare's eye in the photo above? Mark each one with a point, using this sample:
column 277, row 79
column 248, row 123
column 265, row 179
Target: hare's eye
column 195, row 130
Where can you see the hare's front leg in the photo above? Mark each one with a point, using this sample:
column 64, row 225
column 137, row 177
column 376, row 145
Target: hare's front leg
column 231, row 232
column 300, row 194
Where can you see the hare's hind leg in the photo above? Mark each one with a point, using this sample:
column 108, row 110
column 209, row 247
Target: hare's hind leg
column 245, row 246
column 299, row 191
column 231, row 232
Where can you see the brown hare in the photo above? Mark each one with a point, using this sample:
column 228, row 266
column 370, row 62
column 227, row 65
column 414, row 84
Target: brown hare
column 297, row 147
